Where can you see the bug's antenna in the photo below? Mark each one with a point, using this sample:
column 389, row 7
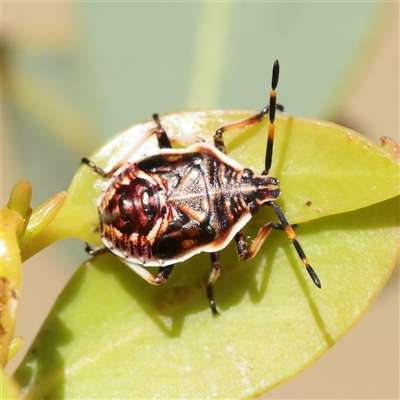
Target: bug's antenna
column 292, row 236
column 271, row 127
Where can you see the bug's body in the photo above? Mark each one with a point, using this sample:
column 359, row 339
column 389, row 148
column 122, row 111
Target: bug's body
column 165, row 208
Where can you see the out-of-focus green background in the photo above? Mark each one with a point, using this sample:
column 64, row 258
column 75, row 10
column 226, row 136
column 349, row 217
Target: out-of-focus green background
column 75, row 73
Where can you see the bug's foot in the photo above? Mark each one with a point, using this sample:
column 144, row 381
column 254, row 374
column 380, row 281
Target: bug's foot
column 95, row 252
column 214, row 308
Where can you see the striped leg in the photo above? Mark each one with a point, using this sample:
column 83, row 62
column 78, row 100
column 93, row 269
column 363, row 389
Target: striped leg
column 163, row 142
column 216, row 269
column 245, row 253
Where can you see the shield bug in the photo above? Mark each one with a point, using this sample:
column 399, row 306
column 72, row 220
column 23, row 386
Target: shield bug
column 165, row 208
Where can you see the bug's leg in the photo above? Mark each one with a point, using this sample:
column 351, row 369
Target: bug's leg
column 95, row 168
column 95, row 252
column 214, row 274
column 110, row 173
column 163, row 272
column 242, row 246
column 246, row 254
column 162, row 139
column 162, row 276
column 165, row 141
column 270, row 109
column 244, row 123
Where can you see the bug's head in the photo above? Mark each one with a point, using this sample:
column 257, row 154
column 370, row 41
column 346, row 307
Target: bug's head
column 259, row 189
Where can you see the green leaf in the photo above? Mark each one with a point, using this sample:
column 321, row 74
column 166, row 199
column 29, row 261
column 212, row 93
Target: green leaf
column 111, row 335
